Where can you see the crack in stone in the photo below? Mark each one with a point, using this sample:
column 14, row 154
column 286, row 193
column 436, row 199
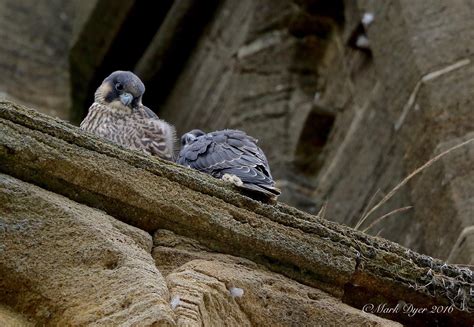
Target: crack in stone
column 426, row 78
column 263, row 42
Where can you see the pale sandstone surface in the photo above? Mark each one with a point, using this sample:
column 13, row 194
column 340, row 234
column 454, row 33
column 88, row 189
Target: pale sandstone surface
column 63, row 263
column 203, row 282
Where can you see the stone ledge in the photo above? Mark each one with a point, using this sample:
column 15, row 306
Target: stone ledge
column 149, row 193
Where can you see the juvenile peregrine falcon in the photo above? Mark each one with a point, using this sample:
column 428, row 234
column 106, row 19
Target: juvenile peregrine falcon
column 230, row 155
column 118, row 115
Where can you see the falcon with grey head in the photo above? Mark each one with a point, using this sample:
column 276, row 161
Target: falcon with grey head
column 118, row 115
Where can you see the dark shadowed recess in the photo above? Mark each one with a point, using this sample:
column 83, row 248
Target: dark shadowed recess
column 114, row 37
column 328, row 17
column 328, row 8
column 324, row 22
column 308, row 159
column 126, row 32
column 136, row 32
column 162, row 67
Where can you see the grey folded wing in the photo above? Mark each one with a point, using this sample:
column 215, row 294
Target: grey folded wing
column 231, row 152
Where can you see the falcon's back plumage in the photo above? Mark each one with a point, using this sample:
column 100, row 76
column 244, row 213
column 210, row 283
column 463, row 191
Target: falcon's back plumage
column 229, row 152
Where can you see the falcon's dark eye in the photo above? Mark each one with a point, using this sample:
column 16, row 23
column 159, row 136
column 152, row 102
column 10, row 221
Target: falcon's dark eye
column 119, row 86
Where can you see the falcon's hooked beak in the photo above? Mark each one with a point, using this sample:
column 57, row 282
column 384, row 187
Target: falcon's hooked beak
column 126, row 98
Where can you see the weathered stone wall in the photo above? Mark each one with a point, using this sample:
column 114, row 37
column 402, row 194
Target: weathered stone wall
column 257, row 68
column 417, row 92
column 63, row 263
column 289, row 73
column 72, row 262
column 338, row 122
column 34, row 53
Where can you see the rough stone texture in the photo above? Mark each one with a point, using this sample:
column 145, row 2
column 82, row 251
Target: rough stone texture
column 269, row 299
column 278, row 69
column 463, row 248
column 10, row 318
column 202, row 280
column 34, row 53
column 445, row 189
column 63, row 263
column 171, row 251
column 408, row 97
column 338, row 122
column 85, row 268
column 152, row 194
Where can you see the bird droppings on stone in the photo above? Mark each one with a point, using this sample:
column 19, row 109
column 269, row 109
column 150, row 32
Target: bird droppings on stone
column 367, row 19
column 236, row 292
column 175, row 301
column 362, row 42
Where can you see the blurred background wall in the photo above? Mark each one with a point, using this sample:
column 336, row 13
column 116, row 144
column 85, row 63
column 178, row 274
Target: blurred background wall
column 34, row 66
column 346, row 97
